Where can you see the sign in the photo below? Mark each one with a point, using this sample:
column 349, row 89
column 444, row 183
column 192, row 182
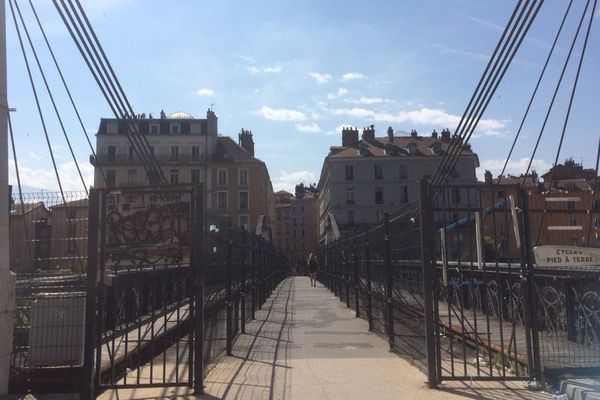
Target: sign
column 566, row 256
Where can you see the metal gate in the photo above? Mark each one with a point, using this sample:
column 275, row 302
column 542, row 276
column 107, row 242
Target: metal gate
column 478, row 283
column 144, row 250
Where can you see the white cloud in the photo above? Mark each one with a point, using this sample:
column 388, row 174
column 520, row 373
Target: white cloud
column 340, row 92
column 514, row 167
column 281, row 114
column 205, row 92
column 349, row 76
column 338, row 129
column 288, row 180
column 320, row 78
column 371, row 100
column 423, row 116
column 46, row 179
column 266, row 70
column 308, row 128
column 34, row 155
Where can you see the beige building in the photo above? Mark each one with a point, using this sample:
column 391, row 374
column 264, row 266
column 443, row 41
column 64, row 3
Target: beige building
column 189, row 150
column 69, row 235
column 30, row 233
column 295, row 230
column 363, row 179
column 241, row 187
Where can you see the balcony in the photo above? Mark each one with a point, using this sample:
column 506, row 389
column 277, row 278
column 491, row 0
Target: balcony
column 163, row 159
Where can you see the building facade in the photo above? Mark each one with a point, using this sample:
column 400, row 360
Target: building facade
column 241, row 187
column 363, row 179
column 295, row 230
column 189, row 151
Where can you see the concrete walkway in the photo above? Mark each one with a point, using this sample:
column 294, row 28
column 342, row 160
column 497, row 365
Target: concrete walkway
column 305, row 344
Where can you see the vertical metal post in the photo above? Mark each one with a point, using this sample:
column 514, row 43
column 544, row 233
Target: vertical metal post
column 530, row 298
column 356, row 283
column 389, row 286
column 88, row 385
column 243, row 280
column 253, row 254
column 369, row 290
column 197, row 265
column 229, row 325
column 427, row 251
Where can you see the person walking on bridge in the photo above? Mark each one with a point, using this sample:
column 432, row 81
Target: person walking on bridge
column 312, row 268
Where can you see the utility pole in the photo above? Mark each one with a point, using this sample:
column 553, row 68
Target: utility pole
column 7, row 279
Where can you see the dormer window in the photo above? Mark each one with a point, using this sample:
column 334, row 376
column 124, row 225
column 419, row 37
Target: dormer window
column 412, row 148
column 154, row 129
column 112, row 128
column 174, row 129
column 196, row 129
column 363, row 149
column 391, row 150
column 436, row 148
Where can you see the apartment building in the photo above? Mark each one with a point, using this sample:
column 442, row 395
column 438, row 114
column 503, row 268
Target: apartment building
column 363, row 179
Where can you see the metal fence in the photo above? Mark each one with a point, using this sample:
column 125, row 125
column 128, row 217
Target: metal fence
column 167, row 287
column 48, row 254
column 453, row 288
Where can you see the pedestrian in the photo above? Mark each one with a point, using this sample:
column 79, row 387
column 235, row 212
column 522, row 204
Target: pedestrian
column 312, row 269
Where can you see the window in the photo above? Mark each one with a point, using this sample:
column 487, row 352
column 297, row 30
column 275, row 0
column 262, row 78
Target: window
column 571, row 205
column 350, row 217
column 222, row 177
column 349, row 172
column 174, row 153
column 244, row 221
column 596, row 204
column 404, row 193
column 378, row 171
column 243, row 177
column 111, row 177
column 112, row 128
column 402, row 171
column 195, row 153
column 154, row 129
column 412, row 148
column 131, row 153
column 174, row 176
column 196, row 129
column 243, row 200
column 131, row 177
column 350, row 196
column 378, row 195
column 378, row 215
column 597, row 222
column 455, row 195
column 222, row 200
column 111, row 153
column 195, row 176
column 573, row 222
column 303, row 233
column 174, row 129
column 500, row 194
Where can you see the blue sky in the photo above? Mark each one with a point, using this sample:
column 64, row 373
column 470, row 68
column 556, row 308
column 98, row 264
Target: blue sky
column 294, row 72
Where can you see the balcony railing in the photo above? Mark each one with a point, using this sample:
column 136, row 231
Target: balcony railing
column 125, row 159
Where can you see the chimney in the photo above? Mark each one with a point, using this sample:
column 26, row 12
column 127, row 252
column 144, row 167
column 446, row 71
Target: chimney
column 349, row 136
column 163, row 115
column 299, row 192
column 245, row 141
column 434, row 134
column 413, row 133
column 446, row 135
column 211, row 123
column 390, row 135
column 369, row 133
column 488, row 177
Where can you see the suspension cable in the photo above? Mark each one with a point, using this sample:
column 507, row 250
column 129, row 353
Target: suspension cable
column 50, row 95
column 516, row 42
column 539, row 81
column 42, row 120
column 66, row 87
column 568, row 114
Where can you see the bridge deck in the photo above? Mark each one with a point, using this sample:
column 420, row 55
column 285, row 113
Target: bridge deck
column 304, row 344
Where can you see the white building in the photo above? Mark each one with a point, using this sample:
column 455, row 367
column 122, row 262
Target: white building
column 363, row 179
